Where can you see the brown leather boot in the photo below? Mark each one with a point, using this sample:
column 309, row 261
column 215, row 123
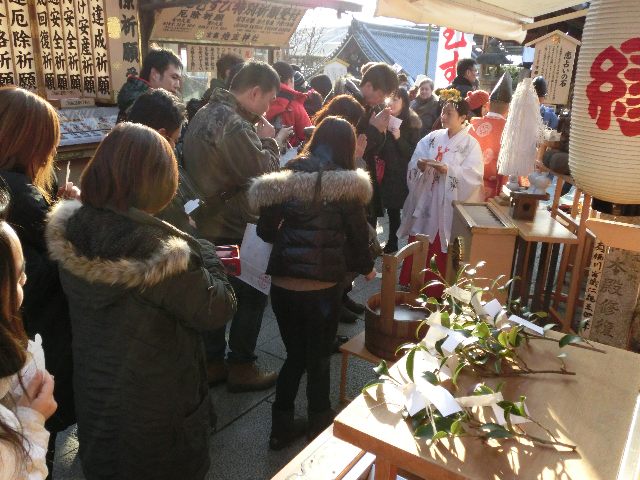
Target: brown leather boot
column 249, row 377
column 217, row 372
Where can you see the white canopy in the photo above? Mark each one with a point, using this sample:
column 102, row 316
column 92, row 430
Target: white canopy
column 503, row 19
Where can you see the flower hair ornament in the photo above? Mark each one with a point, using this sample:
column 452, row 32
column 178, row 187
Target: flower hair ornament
column 449, row 95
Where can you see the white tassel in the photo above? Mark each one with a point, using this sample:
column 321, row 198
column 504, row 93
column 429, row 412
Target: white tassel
column 522, row 133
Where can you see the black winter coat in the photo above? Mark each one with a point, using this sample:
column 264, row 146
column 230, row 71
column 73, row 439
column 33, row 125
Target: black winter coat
column 396, row 155
column 321, row 240
column 44, row 309
column 375, row 142
column 140, row 294
column 463, row 85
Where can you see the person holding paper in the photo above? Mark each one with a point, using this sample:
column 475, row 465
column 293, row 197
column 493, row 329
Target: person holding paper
column 314, row 214
column 446, row 166
column 141, row 292
column 26, row 388
column 29, row 135
column 404, row 129
column 227, row 143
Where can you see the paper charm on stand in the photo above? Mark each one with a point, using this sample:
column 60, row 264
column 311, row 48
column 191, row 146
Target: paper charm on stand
column 522, row 133
column 604, row 147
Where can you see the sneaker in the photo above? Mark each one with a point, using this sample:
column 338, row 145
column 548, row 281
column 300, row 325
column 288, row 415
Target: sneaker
column 352, row 305
column 217, row 372
column 347, row 316
column 249, row 377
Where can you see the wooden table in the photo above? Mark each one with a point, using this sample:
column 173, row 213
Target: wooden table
column 547, row 231
column 354, row 346
column 593, row 410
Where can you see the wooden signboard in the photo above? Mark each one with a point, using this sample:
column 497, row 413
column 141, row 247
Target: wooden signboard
column 256, row 23
column 554, row 59
column 203, row 58
column 69, row 48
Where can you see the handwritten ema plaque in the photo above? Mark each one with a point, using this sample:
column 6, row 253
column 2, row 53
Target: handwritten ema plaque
column 554, row 59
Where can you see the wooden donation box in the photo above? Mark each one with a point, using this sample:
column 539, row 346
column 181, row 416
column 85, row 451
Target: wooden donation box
column 481, row 232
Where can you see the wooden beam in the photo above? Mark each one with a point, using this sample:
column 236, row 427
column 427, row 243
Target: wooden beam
column 558, row 19
column 339, row 5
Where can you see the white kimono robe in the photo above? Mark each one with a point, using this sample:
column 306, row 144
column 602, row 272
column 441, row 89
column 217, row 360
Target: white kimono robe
column 428, row 208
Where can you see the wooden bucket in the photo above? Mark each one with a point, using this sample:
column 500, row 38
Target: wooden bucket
column 389, row 323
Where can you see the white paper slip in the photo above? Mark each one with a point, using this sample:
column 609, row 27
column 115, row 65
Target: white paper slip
column 440, row 397
column 287, row 156
column 527, row 324
column 435, row 333
column 190, row 206
column 459, row 294
column 492, row 308
column 413, row 400
column 423, row 362
column 480, row 400
column 394, row 122
column 515, row 419
column 476, row 303
column 434, row 319
column 455, row 339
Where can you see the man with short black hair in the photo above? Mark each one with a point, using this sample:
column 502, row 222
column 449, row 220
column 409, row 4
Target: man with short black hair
column 288, row 107
column 161, row 68
column 227, row 143
column 466, row 76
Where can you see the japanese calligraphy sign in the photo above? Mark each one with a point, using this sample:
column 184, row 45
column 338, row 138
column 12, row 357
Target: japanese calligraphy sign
column 257, row 23
column 7, row 74
column 452, row 46
column 123, row 47
column 21, row 43
column 605, row 120
column 554, row 59
column 203, row 58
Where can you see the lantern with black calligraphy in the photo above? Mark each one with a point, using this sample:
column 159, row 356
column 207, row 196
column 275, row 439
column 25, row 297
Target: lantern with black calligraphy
column 604, row 152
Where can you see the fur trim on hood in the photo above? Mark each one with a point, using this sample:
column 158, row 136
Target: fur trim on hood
column 171, row 256
column 337, row 185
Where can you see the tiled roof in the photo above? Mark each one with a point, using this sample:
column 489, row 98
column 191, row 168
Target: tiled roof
column 405, row 46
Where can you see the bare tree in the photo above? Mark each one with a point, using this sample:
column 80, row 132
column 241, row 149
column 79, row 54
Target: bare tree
column 305, row 48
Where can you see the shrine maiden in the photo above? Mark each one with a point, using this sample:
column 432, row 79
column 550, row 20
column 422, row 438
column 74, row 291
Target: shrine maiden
column 446, row 166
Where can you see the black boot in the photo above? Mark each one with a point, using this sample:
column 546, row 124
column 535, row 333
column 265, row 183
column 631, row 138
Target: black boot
column 352, row 305
column 285, row 429
column 319, row 422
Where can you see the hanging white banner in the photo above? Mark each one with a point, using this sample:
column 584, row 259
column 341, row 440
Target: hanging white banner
column 452, row 46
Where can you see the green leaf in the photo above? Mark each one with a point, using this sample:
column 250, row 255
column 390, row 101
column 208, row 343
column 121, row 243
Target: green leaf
column 424, row 431
column 433, row 265
column 431, row 377
column 503, row 339
column 372, row 383
column 504, row 433
column 439, row 435
column 489, row 427
column 499, row 387
column 405, row 346
column 382, row 368
column 497, row 366
column 482, row 330
column 457, row 428
column 513, row 336
column 496, row 281
column 541, row 314
column 438, row 345
column 459, row 368
column 433, row 301
column 482, row 389
column 568, row 339
column 445, row 320
column 410, row 358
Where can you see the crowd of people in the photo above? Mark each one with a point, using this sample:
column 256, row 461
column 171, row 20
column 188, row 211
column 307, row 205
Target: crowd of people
column 120, row 278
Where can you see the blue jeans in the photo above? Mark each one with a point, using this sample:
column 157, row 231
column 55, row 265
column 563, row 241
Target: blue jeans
column 244, row 330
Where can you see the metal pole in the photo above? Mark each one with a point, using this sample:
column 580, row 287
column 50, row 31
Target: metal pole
column 426, row 59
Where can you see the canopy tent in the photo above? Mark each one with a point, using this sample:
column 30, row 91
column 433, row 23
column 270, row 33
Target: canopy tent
column 504, row 19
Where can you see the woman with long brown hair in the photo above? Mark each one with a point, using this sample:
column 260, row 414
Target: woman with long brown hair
column 26, row 389
column 314, row 214
column 29, row 135
column 141, row 292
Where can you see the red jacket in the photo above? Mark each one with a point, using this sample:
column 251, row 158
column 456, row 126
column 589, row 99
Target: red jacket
column 289, row 105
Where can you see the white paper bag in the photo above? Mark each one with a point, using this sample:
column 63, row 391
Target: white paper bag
column 254, row 259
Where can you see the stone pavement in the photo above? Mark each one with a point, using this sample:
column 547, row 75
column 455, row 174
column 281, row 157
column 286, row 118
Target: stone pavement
column 239, row 447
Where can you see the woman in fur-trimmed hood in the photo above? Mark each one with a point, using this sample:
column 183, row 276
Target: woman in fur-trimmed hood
column 140, row 294
column 313, row 213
